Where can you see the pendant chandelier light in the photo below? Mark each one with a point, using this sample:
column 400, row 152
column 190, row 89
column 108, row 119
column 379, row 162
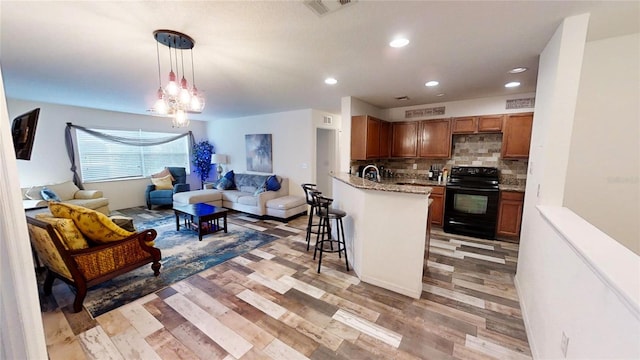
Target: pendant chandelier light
column 176, row 99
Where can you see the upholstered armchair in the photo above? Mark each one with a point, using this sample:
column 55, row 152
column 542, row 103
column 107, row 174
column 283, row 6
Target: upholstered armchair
column 163, row 195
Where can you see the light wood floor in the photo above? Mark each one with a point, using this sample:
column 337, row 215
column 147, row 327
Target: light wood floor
column 271, row 304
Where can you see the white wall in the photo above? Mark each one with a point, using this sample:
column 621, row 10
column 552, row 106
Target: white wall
column 49, row 161
column 21, row 331
column 605, row 148
column 571, row 278
column 293, row 143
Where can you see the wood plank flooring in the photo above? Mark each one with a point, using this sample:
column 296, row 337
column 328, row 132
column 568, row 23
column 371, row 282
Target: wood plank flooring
column 271, row 304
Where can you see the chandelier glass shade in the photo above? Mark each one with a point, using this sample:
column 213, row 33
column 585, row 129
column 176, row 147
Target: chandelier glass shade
column 176, row 99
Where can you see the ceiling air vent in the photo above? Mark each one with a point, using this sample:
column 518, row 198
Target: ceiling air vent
column 322, row 8
column 402, row 98
column 328, row 120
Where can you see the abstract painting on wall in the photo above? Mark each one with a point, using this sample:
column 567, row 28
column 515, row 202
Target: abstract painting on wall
column 259, row 153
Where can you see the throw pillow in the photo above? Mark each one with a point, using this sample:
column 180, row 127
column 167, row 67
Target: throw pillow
column 33, row 193
column 163, row 173
column 67, row 230
column 272, row 183
column 94, row 225
column 163, row 183
column 231, row 177
column 262, row 188
column 224, row 184
column 48, row 194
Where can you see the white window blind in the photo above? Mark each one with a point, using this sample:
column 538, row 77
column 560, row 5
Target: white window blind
column 105, row 160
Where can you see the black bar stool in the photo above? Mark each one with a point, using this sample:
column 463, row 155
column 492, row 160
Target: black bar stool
column 326, row 215
column 312, row 228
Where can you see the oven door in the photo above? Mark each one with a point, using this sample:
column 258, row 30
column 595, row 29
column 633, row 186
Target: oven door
column 471, row 211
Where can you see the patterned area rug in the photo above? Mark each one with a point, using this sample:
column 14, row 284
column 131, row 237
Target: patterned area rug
column 182, row 255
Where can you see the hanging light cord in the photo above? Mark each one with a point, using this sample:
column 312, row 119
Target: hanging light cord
column 158, row 58
column 193, row 71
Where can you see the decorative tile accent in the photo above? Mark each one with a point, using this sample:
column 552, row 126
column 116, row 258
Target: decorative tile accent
column 416, row 113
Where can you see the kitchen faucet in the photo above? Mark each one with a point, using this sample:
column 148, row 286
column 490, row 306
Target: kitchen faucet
column 364, row 171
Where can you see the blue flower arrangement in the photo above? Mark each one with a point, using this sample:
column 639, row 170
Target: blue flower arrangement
column 201, row 158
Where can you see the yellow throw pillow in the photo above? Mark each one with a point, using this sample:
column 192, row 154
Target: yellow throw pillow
column 163, row 183
column 163, row 173
column 94, row 225
column 71, row 237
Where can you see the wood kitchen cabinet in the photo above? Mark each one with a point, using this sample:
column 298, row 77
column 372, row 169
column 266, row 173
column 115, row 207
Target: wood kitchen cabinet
column 366, row 138
column 436, row 209
column 435, row 139
column 510, row 214
column 385, row 139
column 490, row 123
column 516, row 137
column 464, row 125
column 404, row 139
column 477, row 124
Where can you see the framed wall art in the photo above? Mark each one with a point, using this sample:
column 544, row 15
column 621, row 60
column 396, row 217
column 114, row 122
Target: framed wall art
column 259, row 157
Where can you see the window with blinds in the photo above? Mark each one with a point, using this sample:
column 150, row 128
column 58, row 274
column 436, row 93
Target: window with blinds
column 105, row 160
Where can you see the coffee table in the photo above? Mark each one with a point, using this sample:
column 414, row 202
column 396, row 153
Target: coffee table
column 203, row 216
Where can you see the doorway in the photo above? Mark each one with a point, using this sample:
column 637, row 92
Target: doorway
column 325, row 159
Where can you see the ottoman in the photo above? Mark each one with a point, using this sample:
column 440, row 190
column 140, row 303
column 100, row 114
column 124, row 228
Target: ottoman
column 207, row 196
column 286, row 207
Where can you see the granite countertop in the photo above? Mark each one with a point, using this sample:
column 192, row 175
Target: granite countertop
column 421, row 187
column 519, row 188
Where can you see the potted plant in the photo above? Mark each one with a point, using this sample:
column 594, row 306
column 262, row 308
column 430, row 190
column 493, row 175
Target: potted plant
column 202, row 159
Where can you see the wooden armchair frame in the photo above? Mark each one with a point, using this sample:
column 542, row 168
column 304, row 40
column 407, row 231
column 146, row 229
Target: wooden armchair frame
column 88, row 267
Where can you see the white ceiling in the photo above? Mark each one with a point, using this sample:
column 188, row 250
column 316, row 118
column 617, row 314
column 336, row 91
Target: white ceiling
column 264, row 57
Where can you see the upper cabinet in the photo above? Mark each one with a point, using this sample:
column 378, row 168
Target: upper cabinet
column 404, row 139
column 477, row 124
column 516, row 137
column 385, row 139
column 369, row 138
column 435, row 139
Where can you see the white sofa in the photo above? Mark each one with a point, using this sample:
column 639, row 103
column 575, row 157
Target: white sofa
column 277, row 204
column 68, row 192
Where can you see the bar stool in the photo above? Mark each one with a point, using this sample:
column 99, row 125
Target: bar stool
column 311, row 227
column 326, row 215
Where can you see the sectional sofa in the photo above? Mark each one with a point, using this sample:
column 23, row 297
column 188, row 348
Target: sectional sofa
column 245, row 197
column 67, row 192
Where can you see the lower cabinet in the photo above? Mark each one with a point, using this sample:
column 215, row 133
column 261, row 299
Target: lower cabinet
column 510, row 215
column 436, row 210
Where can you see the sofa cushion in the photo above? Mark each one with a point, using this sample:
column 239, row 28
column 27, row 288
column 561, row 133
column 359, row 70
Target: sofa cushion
column 72, row 238
column 249, row 189
column 48, row 194
column 197, row 196
column 248, row 200
column 234, row 195
column 94, row 225
column 89, row 203
column 286, row 202
column 65, row 191
column 163, row 183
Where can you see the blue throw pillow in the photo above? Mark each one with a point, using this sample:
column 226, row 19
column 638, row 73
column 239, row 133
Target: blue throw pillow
column 224, row 184
column 48, row 194
column 272, row 183
column 231, row 177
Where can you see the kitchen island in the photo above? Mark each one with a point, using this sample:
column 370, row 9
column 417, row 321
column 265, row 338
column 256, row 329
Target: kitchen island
column 385, row 230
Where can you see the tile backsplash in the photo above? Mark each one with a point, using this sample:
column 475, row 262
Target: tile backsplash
column 468, row 150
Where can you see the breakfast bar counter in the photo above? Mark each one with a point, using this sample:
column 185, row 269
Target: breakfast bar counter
column 385, row 230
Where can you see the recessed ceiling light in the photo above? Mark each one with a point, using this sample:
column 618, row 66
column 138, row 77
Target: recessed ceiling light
column 431, row 83
column 398, row 43
column 402, row 98
column 330, row 81
column 441, row 94
column 518, row 70
column 512, row 84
